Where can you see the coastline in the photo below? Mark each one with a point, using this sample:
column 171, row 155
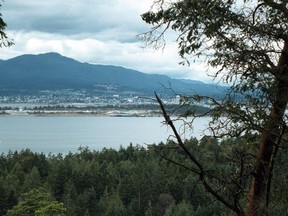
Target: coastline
column 109, row 113
column 150, row 110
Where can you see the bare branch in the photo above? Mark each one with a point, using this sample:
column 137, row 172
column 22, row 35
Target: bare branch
column 202, row 172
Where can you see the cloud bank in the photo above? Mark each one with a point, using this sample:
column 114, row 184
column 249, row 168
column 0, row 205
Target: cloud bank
column 93, row 31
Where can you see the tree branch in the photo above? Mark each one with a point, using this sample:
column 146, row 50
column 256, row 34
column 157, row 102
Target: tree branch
column 202, row 172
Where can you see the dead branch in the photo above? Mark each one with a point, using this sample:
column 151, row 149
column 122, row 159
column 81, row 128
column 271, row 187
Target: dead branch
column 202, row 172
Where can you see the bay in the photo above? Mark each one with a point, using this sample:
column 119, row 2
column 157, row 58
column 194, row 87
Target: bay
column 64, row 134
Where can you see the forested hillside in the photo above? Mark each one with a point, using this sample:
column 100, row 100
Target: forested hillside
column 52, row 71
column 128, row 181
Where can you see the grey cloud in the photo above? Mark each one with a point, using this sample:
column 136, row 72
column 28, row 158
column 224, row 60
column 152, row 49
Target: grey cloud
column 90, row 31
column 73, row 17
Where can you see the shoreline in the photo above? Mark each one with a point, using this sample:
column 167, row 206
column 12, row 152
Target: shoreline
column 110, row 113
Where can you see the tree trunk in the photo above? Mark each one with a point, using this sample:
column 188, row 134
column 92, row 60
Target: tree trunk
column 257, row 204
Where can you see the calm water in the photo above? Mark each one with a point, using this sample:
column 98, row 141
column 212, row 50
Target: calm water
column 61, row 134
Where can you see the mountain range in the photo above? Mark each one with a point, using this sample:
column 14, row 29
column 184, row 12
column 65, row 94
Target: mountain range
column 52, row 71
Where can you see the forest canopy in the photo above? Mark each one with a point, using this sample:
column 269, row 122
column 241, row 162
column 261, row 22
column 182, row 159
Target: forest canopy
column 128, row 181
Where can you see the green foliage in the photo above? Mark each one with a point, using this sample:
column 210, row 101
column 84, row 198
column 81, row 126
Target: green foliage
column 32, row 179
column 52, row 208
column 111, row 204
column 130, row 181
column 245, row 42
column 37, row 202
column 181, row 209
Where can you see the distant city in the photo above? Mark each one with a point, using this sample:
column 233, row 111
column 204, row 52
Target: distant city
column 80, row 101
column 81, row 97
column 54, row 84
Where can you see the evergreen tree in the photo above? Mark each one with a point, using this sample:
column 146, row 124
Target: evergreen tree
column 37, row 202
column 32, row 180
column 111, row 204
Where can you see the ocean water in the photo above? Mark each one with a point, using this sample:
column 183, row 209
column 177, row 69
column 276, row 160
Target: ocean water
column 64, row 134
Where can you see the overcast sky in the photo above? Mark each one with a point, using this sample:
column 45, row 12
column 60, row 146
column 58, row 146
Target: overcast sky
column 93, row 31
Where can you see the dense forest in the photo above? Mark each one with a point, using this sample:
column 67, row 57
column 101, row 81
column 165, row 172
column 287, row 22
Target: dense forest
column 130, row 181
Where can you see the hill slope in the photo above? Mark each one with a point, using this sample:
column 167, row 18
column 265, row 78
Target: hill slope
column 51, row 71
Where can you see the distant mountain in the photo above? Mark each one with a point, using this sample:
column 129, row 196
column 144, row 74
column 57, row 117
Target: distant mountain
column 52, row 71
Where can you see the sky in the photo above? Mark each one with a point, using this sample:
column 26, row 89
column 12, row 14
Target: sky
column 92, row 31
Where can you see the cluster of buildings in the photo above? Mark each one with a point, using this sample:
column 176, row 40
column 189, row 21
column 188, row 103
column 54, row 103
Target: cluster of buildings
column 60, row 100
